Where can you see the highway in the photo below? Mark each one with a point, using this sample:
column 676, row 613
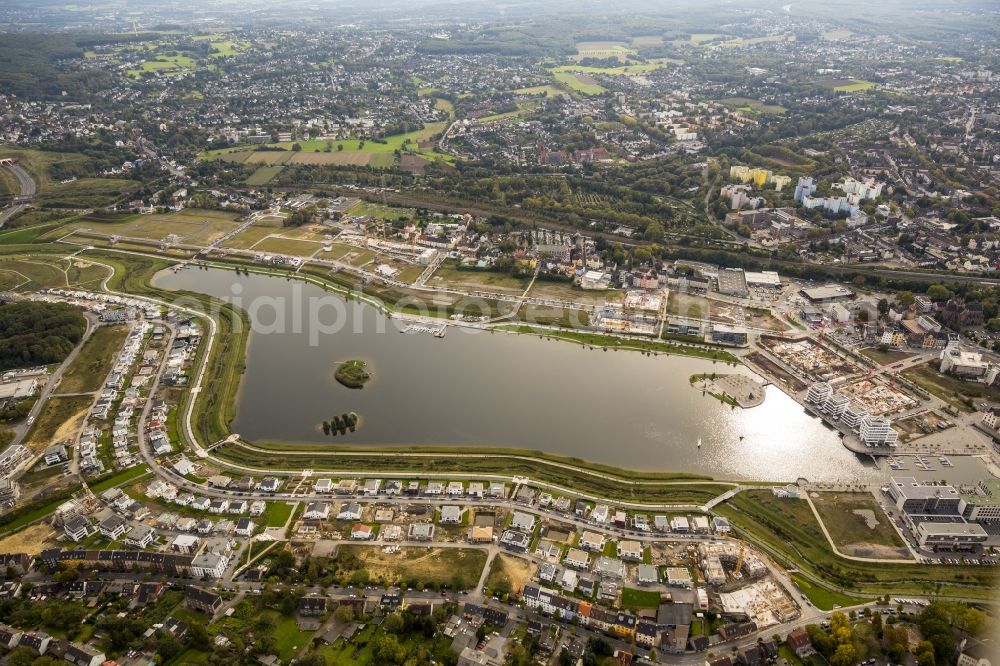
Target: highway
column 26, row 186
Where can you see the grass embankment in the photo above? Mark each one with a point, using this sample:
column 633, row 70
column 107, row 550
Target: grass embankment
column 124, row 477
column 612, row 342
column 654, row 488
column 352, row 374
column 89, row 369
column 824, row 598
column 788, row 528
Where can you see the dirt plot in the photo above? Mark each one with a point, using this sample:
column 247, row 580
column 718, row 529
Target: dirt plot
column 510, row 572
column 858, row 525
column 31, row 540
column 776, row 372
column 413, row 164
column 427, row 565
column 59, row 421
column 347, row 158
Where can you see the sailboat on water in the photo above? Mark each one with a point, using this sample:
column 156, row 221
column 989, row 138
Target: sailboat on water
column 699, row 442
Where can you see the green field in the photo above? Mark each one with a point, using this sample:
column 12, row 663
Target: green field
column 126, row 476
column 314, row 150
column 624, row 70
column 856, row 86
column 276, row 514
column 263, row 175
column 548, row 91
column 191, row 225
column 635, row 600
column 298, row 248
column 93, row 363
column 176, row 63
column 850, row 531
column 584, row 85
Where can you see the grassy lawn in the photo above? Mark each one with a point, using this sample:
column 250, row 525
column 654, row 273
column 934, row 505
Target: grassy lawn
column 821, row 597
column 634, row 600
column 276, row 514
column 611, row 342
column 848, row 528
column 91, row 366
column 887, row 357
column 960, row 394
column 130, row 475
column 58, row 421
column 288, row 638
column 32, row 272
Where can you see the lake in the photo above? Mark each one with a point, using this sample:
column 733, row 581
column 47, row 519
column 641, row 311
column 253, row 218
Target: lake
column 477, row 388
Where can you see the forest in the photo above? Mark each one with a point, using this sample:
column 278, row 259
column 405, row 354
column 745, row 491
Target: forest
column 36, row 333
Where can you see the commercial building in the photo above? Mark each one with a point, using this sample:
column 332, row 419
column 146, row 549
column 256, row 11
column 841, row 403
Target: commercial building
column 951, row 537
column 830, row 293
column 982, row 504
column 922, row 499
column 734, row 336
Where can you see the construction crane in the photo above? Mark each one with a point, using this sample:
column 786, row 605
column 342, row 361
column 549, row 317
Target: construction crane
column 868, row 382
column 738, row 571
column 693, row 555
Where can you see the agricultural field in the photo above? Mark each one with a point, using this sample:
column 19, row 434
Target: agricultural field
column 618, row 50
column 836, row 35
column 548, row 91
column 92, row 364
column 191, row 225
column 858, row 526
column 582, row 83
column 263, row 175
column 430, row 566
column 647, row 40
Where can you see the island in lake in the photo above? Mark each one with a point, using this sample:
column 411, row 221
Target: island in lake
column 352, row 374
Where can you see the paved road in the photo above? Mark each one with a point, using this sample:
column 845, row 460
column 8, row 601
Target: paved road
column 24, row 181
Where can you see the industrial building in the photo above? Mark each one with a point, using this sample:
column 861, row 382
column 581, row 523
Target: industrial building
column 830, row 293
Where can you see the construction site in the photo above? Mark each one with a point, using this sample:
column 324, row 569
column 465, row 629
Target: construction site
column 806, row 357
column 744, row 584
column 640, row 312
column 879, row 397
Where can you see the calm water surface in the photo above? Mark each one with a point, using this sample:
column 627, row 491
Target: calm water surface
column 495, row 389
